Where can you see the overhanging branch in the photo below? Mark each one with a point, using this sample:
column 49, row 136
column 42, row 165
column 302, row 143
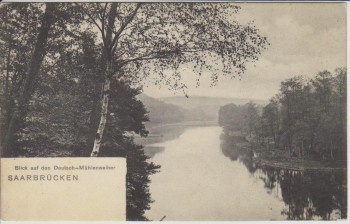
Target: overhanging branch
column 123, row 26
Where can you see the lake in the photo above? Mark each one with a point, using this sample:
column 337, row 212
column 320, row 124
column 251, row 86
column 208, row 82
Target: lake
column 203, row 177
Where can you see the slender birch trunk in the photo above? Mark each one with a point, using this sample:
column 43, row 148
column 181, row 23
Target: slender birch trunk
column 94, row 117
column 104, row 113
column 106, row 86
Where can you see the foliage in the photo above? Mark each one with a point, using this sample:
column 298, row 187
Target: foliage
column 138, row 195
column 151, row 38
column 307, row 117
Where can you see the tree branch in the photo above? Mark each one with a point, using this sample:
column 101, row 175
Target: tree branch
column 103, row 22
column 104, row 10
column 93, row 20
column 149, row 56
column 123, row 26
column 159, row 55
column 98, row 10
column 88, row 14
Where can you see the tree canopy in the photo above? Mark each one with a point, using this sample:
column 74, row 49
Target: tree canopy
column 155, row 37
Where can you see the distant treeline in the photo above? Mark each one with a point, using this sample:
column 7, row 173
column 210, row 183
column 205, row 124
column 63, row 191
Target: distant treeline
column 160, row 112
column 307, row 117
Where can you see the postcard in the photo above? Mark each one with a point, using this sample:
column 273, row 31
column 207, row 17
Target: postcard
column 173, row 111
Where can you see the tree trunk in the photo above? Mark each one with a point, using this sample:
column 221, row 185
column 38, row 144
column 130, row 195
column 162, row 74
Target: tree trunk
column 104, row 113
column 94, row 118
column 108, row 51
column 28, row 88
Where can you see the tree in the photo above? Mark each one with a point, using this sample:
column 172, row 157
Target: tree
column 227, row 116
column 339, row 99
column 17, row 41
column 142, row 39
column 37, row 34
column 291, row 93
column 270, row 116
column 330, row 109
column 251, row 118
column 323, row 90
column 58, row 122
column 27, row 89
column 138, row 172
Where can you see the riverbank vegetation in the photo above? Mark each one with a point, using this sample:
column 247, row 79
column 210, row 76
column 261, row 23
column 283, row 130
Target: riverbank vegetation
column 305, row 120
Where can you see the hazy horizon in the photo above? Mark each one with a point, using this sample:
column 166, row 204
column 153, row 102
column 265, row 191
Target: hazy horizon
column 305, row 38
column 192, row 96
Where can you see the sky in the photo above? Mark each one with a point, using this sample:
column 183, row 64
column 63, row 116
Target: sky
column 305, row 38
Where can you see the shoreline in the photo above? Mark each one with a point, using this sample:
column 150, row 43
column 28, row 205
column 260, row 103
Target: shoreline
column 295, row 167
column 278, row 159
column 152, row 126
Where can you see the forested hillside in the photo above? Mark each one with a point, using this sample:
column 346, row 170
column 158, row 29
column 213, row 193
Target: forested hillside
column 193, row 108
column 193, row 102
column 160, row 112
column 205, row 108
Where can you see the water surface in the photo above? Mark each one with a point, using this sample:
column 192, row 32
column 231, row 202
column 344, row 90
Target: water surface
column 203, row 177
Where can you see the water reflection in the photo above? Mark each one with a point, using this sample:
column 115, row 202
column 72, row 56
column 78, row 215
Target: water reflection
column 159, row 134
column 307, row 195
column 198, row 183
column 244, row 155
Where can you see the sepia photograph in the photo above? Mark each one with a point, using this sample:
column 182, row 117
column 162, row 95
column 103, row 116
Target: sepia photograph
column 223, row 111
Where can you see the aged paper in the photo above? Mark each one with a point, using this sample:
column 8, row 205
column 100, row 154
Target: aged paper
column 209, row 111
column 52, row 189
